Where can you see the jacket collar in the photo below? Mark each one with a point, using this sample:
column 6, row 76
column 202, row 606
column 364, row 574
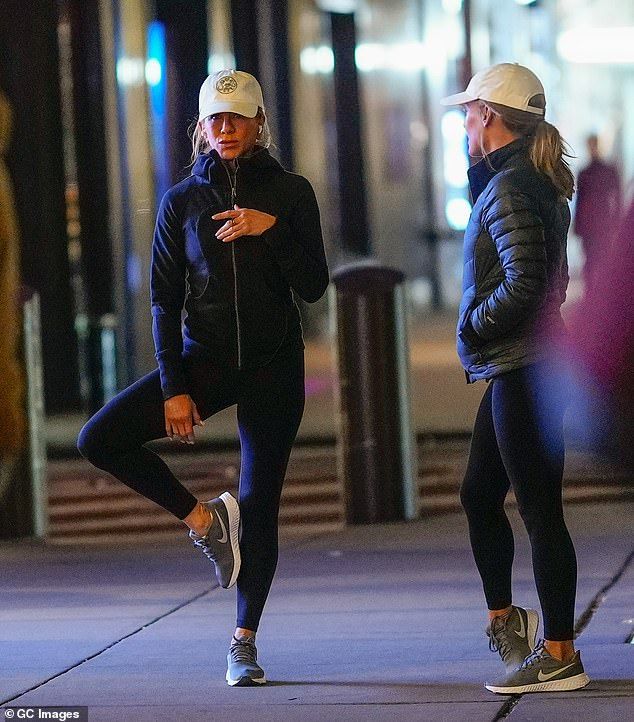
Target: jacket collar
column 211, row 167
column 481, row 173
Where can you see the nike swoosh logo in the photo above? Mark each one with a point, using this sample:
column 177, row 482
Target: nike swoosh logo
column 544, row 677
column 522, row 632
column 224, row 537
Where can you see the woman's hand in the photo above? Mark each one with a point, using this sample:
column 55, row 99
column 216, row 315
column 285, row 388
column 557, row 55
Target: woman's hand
column 243, row 222
column 181, row 415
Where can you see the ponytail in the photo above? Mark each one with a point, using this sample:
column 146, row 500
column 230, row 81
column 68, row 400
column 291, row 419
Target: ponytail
column 548, row 151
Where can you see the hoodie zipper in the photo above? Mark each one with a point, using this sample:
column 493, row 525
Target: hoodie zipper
column 233, row 182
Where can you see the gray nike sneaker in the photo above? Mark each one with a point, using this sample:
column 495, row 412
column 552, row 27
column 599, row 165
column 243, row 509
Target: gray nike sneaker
column 514, row 636
column 243, row 669
column 542, row 673
column 220, row 543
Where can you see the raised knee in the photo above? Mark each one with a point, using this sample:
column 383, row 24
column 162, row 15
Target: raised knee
column 88, row 444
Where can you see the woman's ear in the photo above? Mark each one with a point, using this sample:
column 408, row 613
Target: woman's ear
column 486, row 114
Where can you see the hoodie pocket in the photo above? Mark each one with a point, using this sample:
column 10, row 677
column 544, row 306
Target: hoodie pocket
column 197, row 285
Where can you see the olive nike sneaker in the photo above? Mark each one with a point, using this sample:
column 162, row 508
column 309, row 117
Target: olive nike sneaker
column 540, row 672
column 513, row 636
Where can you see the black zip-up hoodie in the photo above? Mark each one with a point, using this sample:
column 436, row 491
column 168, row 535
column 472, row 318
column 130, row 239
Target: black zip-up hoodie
column 237, row 298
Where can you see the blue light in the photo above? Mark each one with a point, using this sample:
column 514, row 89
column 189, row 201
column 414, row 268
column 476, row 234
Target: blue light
column 156, row 79
column 155, row 65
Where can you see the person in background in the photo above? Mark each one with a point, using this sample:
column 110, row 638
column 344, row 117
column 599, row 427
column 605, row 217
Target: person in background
column 597, row 210
column 233, row 242
column 598, row 354
column 514, row 282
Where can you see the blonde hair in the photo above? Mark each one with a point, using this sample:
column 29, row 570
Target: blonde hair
column 200, row 145
column 548, row 150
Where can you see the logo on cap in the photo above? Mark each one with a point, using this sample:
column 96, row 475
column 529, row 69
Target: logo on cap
column 226, row 84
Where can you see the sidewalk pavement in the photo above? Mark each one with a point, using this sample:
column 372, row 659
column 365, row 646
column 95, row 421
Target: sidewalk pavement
column 377, row 622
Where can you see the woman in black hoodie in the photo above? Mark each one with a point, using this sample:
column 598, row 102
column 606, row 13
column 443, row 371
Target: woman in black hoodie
column 232, row 242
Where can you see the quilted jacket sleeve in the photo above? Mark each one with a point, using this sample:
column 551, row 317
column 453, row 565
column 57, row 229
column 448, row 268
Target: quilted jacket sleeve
column 513, row 221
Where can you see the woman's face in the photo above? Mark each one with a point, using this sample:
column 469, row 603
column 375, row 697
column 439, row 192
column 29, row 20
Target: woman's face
column 230, row 134
column 473, row 126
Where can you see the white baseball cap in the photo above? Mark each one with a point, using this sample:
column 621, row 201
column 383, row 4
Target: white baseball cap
column 507, row 84
column 230, row 91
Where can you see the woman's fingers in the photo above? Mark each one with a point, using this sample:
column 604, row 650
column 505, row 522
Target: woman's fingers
column 224, row 229
column 226, row 215
column 228, row 228
column 234, row 232
column 243, row 222
column 231, row 231
column 184, row 432
column 178, row 418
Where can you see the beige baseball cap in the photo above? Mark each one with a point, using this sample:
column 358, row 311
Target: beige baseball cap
column 507, row 84
column 230, row 91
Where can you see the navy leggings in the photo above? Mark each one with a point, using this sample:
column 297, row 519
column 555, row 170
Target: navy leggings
column 518, row 441
column 270, row 403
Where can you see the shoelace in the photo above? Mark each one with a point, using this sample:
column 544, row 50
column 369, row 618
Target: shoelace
column 204, row 543
column 498, row 638
column 535, row 656
column 243, row 652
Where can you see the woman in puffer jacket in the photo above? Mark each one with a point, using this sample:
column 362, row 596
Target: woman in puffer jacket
column 233, row 242
column 514, row 282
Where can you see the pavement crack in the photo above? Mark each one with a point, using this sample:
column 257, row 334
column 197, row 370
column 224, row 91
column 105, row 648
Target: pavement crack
column 110, row 646
column 582, row 622
column 196, row 597
column 597, row 600
column 508, row 706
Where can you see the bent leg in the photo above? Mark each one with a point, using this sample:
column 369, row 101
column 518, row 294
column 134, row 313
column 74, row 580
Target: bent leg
column 482, row 495
column 113, row 439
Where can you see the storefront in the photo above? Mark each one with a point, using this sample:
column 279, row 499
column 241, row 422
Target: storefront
column 412, row 160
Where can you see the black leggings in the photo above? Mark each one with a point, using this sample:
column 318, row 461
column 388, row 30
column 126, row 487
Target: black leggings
column 518, row 441
column 270, row 404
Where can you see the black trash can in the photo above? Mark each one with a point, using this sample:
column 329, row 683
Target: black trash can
column 376, row 446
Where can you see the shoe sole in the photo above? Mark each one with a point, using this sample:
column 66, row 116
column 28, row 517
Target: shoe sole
column 560, row 685
column 233, row 512
column 245, row 681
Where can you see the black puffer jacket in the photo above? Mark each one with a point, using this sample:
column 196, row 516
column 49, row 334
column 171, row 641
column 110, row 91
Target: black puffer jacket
column 237, row 296
column 515, row 267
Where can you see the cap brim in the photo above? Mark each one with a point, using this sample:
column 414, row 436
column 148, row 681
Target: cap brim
column 457, row 99
column 249, row 110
